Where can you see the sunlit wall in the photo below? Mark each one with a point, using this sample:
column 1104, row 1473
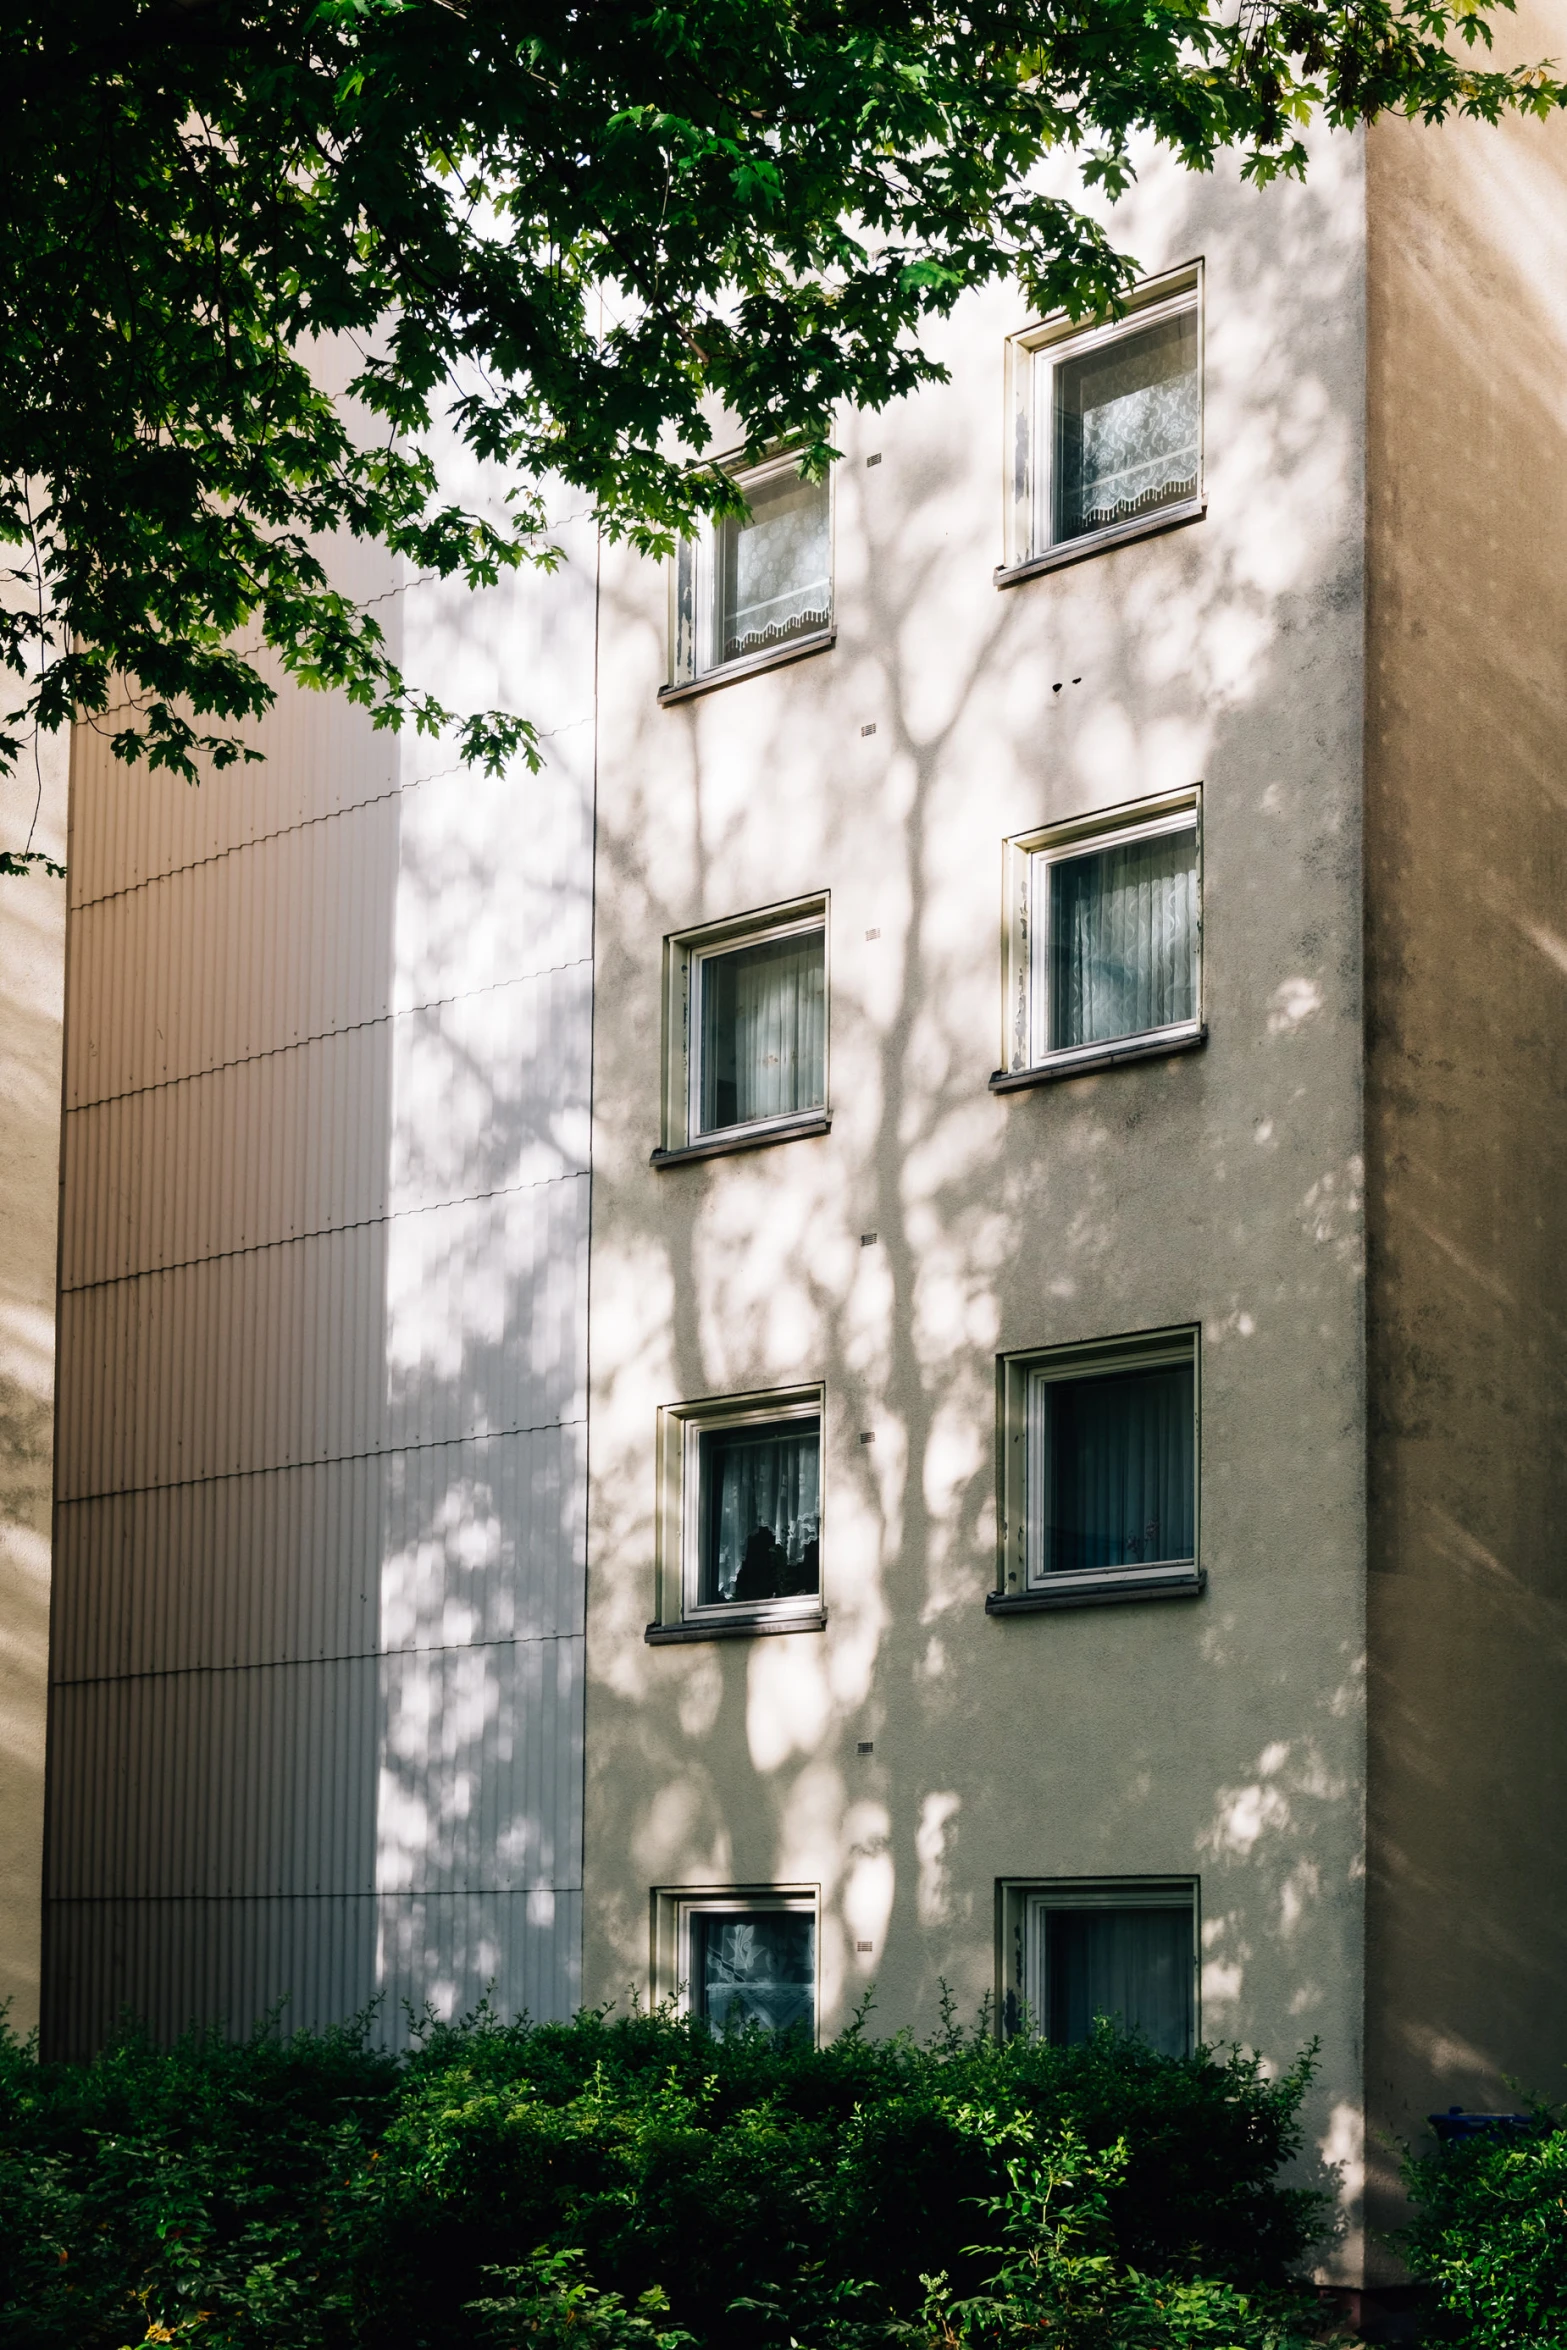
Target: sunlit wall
column 32, row 1003
column 905, row 1761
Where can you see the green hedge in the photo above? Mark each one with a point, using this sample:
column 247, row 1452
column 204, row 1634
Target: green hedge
column 634, row 2182
column 1489, row 2238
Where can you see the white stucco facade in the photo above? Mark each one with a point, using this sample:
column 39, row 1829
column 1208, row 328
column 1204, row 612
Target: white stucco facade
column 1220, row 1737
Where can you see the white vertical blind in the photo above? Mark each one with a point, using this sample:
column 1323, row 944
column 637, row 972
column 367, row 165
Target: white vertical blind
column 1122, row 940
column 1131, row 1965
column 1118, row 1481
column 763, row 1030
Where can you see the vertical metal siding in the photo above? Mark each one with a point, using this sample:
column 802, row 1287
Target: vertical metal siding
column 480, row 1761
column 494, row 892
column 294, row 1142
column 477, row 1541
column 260, row 1781
column 253, row 952
column 174, row 1963
column 273, row 1356
column 322, row 755
column 519, row 1950
column 320, row 1543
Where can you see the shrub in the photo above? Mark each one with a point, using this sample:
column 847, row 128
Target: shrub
column 1056, row 2276
column 639, row 2184
column 196, row 2189
column 1489, row 2237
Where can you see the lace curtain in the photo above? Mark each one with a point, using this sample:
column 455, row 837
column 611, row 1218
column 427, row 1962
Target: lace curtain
column 1119, row 1470
column 762, row 1512
column 1127, row 427
column 1123, row 940
column 764, row 1031
column 773, row 574
column 1133, row 1965
column 759, row 1969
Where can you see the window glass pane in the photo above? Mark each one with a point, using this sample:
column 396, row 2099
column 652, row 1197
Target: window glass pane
column 1126, row 427
column 1134, row 1965
column 761, row 1512
column 754, row 1966
column 773, row 574
column 1118, row 1490
column 764, row 1030
column 1123, row 940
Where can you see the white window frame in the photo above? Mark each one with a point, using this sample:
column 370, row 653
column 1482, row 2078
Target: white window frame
column 1032, row 358
column 1023, row 1581
column 691, row 591
column 685, row 953
column 1025, row 1045
column 674, row 1907
column 1023, row 1906
column 680, row 1611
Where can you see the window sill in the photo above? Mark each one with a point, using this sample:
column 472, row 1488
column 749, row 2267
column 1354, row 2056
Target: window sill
column 777, row 657
column 813, row 1619
column 1110, row 1056
column 1102, row 1587
column 745, row 1138
column 1098, row 542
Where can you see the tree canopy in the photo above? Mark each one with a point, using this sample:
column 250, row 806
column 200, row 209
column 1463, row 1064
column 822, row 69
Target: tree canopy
column 566, row 226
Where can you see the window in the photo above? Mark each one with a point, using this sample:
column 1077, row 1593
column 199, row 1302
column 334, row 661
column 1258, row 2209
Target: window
column 1122, row 1948
column 746, row 1032
column 760, row 1012
column 760, row 1530
column 740, row 1516
column 1099, row 1473
column 1106, row 426
column 750, row 589
column 1104, row 940
column 743, row 1959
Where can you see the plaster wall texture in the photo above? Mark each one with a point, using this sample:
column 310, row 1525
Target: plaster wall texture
column 318, row 1629
column 1466, row 869
column 32, row 1006
column 1222, row 1737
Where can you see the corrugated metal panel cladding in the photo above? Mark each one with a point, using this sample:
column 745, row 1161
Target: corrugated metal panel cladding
column 316, row 1732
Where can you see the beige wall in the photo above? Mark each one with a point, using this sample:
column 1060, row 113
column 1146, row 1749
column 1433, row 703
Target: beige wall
column 1221, row 1737
column 1466, row 867
column 32, row 991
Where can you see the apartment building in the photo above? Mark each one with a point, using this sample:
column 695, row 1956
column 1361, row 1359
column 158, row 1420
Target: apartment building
column 1043, row 1475
column 1070, row 889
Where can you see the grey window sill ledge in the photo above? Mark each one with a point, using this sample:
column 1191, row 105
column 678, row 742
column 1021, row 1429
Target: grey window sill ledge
column 1104, row 1588
column 732, row 671
column 745, row 1138
column 1099, row 542
column 1134, row 1048
column 734, row 1628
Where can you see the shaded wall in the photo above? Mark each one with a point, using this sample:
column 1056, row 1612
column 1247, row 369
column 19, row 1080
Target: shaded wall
column 32, row 1000
column 1466, row 931
column 317, row 1649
